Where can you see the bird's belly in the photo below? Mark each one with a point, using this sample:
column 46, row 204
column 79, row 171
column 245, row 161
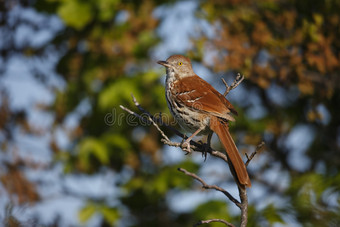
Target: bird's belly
column 193, row 122
column 190, row 120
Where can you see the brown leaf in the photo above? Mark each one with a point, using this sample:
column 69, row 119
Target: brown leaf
column 18, row 186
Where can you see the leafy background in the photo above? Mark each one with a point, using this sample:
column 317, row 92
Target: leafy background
column 71, row 157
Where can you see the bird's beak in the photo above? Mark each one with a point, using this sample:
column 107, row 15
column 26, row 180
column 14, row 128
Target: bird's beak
column 165, row 63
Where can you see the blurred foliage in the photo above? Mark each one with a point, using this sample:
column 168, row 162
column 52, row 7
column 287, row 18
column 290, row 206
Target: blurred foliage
column 286, row 49
column 110, row 215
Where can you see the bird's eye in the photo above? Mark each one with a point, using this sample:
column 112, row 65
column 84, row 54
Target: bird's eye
column 180, row 63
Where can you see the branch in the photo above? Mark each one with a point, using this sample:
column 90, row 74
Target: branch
column 217, row 188
column 207, row 186
column 244, row 205
column 195, row 146
column 159, row 120
column 243, row 191
column 258, row 149
column 214, row 220
column 237, row 81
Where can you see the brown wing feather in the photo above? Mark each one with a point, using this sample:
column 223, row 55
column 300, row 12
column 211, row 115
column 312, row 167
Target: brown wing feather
column 205, row 99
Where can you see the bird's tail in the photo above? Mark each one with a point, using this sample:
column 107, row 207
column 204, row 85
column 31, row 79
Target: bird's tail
column 222, row 130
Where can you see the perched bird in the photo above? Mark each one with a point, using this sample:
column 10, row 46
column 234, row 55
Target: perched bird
column 200, row 109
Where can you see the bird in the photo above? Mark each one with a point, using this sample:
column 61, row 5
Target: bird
column 201, row 110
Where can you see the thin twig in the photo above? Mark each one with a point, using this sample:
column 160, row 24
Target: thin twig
column 157, row 127
column 150, row 119
column 207, row 186
column 214, row 220
column 237, row 81
column 133, row 113
column 258, row 148
column 159, row 120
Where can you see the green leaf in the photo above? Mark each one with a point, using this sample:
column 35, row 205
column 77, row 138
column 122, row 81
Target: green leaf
column 75, row 13
column 212, row 209
column 117, row 141
column 272, row 214
column 151, row 76
column 107, row 9
column 134, row 183
column 161, row 183
column 95, row 147
column 111, row 215
column 115, row 93
column 86, row 213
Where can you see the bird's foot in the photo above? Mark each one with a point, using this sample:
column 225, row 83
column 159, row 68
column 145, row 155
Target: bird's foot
column 206, row 148
column 186, row 146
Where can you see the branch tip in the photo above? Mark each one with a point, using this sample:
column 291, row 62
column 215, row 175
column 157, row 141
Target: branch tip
column 239, row 78
column 207, row 186
column 214, row 220
column 258, row 149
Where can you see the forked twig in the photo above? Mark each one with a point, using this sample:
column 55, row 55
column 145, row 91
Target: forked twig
column 258, row 149
column 207, row 186
column 237, row 81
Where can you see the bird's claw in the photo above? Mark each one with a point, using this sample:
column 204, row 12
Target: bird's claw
column 205, row 150
column 186, row 147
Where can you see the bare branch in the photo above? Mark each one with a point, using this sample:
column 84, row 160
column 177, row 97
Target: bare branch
column 219, row 155
column 158, row 120
column 244, row 205
column 170, row 143
column 133, row 113
column 195, row 146
column 237, row 81
column 139, row 106
column 150, row 119
column 157, row 127
column 258, row 148
column 214, row 220
column 207, row 186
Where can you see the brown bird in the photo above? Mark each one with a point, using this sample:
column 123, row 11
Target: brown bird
column 200, row 109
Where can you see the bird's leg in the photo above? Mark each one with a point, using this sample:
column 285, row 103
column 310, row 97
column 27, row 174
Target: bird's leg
column 186, row 143
column 207, row 146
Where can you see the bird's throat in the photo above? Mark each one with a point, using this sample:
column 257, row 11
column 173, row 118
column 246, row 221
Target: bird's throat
column 171, row 76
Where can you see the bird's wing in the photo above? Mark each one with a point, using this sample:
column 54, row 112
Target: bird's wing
column 198, row 94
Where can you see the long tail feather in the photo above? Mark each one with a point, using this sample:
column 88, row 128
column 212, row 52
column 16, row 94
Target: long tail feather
column 222, row 131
